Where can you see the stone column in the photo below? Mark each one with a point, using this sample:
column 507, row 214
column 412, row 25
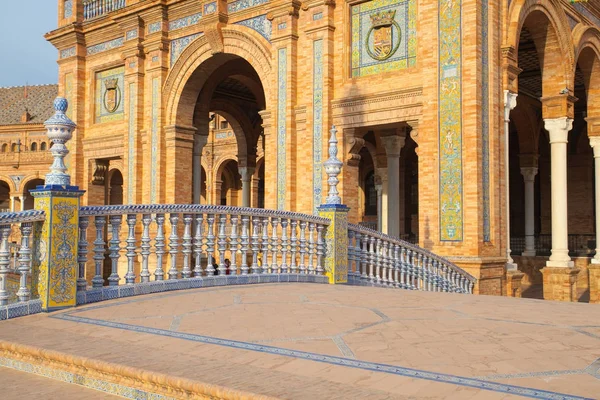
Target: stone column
column 382, row 199
column 12, row 203
column 510, row 102
column 199, row 143
column 246, row 173
column 529, row 174
column 254, row 190
column 595, row 143
column 22, row 200
column 393, row 144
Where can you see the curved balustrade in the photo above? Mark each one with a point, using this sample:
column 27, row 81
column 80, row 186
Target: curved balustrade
column 185, row 241
column 98, row 8
column 378, row 259
column 15, row 280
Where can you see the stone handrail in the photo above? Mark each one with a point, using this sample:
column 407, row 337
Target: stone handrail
column 255, row 241
column 22, row 273
column 97, row 8
column 376, row 258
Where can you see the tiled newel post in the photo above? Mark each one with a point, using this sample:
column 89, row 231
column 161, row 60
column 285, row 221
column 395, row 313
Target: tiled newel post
column 56, row 262
column 336, row 237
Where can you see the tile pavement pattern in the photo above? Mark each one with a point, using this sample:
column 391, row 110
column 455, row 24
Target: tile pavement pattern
column 320, row 341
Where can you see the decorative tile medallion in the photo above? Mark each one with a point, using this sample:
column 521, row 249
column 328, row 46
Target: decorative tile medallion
column 317, row 122
column 450, row 120
column 317, row 16
column 281, row 127
column 68, row 9
column 384, row 36
column 154, row 27
column 178, row 45
column 109, row 95
column 154, row 143
column 240, row 5
column 210, row 8
column 101, row 47
column 131, row 34
column 185, row 21
column 260, row 24
column 69, row 52
column 485, row 128
column 131, row 143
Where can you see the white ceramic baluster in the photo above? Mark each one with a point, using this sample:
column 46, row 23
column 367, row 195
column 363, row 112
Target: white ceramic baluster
column 320, row 249
column 210, row 245
column 302, row 246
column 351, row 254
column 391, row 264
column 284, row 245
column 294, row 246
column 115, row 248
column 274, row 243
column 99, row 223
column 255, row 245
column 265, row 245
column 397, row 264
column 311, row 247
column 82, row 253
column 159, row 244
column 233, row 244
column 145, row 272
column 364, row 258
column 222, row 245
column 372, row 259
column 378, row 261
column 198, row 245
column 130, row 275
column 186, row 271
column 4, row 263
column 245, row 243
column 173, row 245
column 385, row 262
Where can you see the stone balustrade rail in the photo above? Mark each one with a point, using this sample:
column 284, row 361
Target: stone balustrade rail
column 375, row 258
column 97, row 8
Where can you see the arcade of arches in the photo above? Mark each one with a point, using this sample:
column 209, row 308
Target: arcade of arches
column 479, row 147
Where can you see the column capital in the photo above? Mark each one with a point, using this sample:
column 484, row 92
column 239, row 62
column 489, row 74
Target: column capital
column 595, row 143
column 246, row 173
column 381, row 175
column 528, row 160
column 559, row 106
column 558, row 128
column 510, row 102
column 393, row 144
column 593, row 126
column 529, row 173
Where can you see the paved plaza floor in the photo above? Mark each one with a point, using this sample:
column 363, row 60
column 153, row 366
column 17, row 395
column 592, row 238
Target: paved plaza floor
column 314, row 341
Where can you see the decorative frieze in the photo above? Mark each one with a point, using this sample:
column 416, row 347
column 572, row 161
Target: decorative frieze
column 105, row 46
column 131, row 34
column 281, row 126
column 154, row 27
column 485, row 123
column 260, row 24
column 154, row 139
column 185, row 21
column 240, row 5
column 210, row 8
column 68, row 8
column 317, row 122
column 178, row 45
column 450, row 120
column 69, row 52
column 131, row 143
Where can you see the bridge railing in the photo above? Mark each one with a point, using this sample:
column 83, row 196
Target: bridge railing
column 378, row 259
column 17, row 285
column 188, row 241
column 97, row 8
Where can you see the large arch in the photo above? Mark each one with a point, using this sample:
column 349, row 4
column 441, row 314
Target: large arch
column 198, row 61
column 557, row 38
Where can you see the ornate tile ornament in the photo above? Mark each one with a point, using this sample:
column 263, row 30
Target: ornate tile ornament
column 154, row 142
column 178, row 45
column 131, row 143
column 260, row 24
column 131, row 34
column 281, row 126
column 210, row 8
column 17, row 180
column 185, row 21
column 485, row 123
column 336, row 242
column 450, row 120
column 317, row 121
column 384, row 36
column 105, row 46
column 240, row 5
column 154, row 27
column 109, row 95
column 69, row 52
column 68, row 9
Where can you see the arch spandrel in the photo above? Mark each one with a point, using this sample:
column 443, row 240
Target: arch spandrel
column 237, row 41
column 518, row 12
column 11, row 184
column 587, row 51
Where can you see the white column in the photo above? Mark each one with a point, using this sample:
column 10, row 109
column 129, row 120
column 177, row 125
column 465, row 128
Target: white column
column 559, row 129
column 510, row 101
column 199, row 142
column 22, row 198
column 382, row 200
column 246, row 173
column 393, row 145
column 595, row 143
column 379, row 189
column 12, row 203
column 529, row 174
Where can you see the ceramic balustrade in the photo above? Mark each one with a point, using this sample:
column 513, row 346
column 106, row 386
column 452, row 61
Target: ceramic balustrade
column 378, row 259
column 15, row 277
column 97, row 8
column 184, row 241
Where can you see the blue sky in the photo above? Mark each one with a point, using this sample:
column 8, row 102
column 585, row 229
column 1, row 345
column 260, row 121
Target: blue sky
column 25, row 56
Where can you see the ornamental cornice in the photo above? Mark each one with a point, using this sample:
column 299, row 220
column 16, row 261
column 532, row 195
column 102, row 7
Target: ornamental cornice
column 283, row 8
column 308, row 4
column 385, row 97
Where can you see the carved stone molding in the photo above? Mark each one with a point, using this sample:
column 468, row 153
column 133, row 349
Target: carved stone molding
column 100, row 170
